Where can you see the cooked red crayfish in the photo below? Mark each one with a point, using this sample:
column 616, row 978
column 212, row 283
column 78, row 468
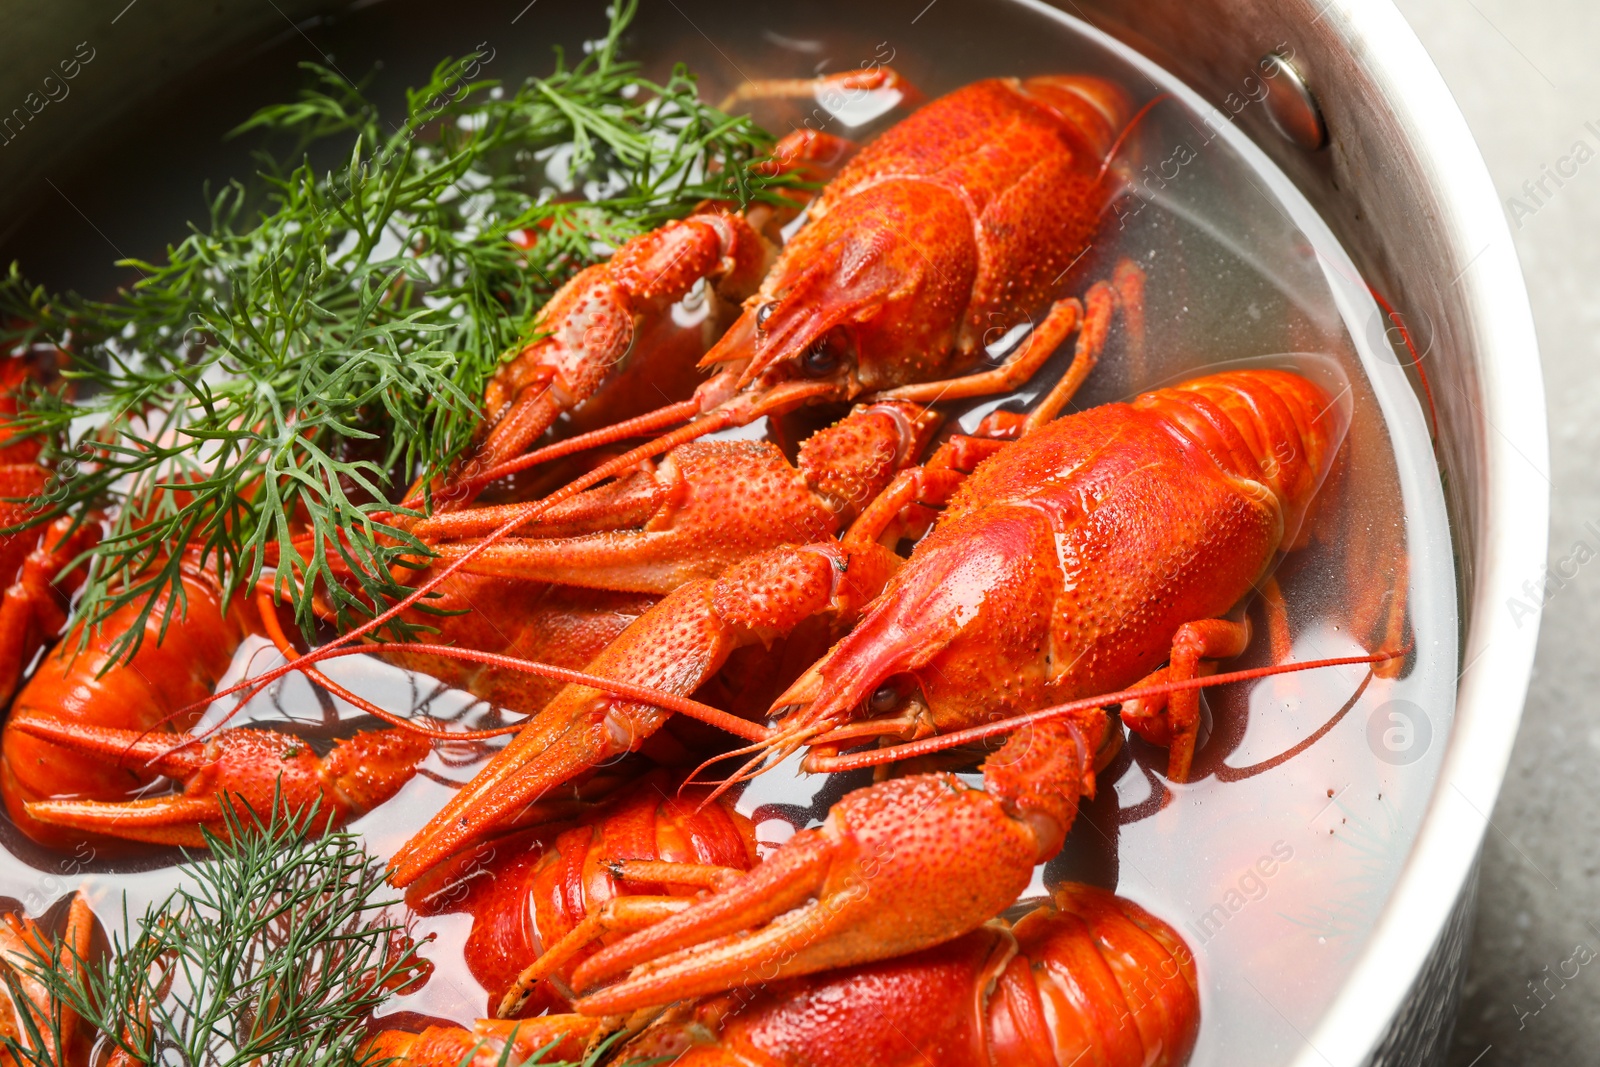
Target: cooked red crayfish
column 1073, row 558
column 33, row 607
column 952, row 228
column 84, row 735
column 549, row 889
column 1086, row 978
column 1071, row 562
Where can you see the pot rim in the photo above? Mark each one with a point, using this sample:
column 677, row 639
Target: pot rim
column 1512, row 525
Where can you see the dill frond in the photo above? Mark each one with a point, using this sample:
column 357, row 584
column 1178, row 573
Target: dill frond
column 264, row 395
column 275, row 948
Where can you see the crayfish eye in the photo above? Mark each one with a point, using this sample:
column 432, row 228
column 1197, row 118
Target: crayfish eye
column 824, row 357
column 885, row 698
column 764, row 312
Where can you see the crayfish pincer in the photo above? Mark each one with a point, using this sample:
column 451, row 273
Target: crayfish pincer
column 895, row 868
column 1086, row 977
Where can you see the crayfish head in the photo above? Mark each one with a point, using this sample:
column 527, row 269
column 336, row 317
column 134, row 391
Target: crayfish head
column 873, row 675
column 956, row 640
column 868, row 296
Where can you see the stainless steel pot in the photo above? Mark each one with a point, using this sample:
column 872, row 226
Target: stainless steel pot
column 1375, row 142
column 1402, row 184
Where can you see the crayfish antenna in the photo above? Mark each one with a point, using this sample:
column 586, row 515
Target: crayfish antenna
column 1127, row 131
column 693, row 708
column 825, row 763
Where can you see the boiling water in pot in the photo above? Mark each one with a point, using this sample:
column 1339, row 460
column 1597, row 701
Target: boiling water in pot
column 1275, row 861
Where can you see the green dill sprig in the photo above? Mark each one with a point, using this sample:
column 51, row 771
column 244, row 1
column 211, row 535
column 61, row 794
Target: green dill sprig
column 265, row 395
column 275, row 948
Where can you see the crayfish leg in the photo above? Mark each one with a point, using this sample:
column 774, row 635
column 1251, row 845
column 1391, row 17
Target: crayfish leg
column 1128, row 280
column 870, row 79
column 1174, row 719
column 1042, row 340
column 1100, row 305
column 1092, row 319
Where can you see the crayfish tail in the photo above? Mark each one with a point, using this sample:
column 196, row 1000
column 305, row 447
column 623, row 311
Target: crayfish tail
column 1119, row 984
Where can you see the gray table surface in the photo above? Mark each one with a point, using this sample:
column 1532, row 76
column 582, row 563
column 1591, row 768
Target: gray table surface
column 1527, row 76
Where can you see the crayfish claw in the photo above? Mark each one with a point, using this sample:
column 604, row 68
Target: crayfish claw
column 246, row 769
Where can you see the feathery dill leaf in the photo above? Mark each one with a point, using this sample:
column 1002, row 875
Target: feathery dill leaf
column 275, row 948
column 264, row 396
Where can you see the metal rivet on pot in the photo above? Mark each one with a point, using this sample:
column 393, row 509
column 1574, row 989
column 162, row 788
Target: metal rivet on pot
column 1293, row 109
